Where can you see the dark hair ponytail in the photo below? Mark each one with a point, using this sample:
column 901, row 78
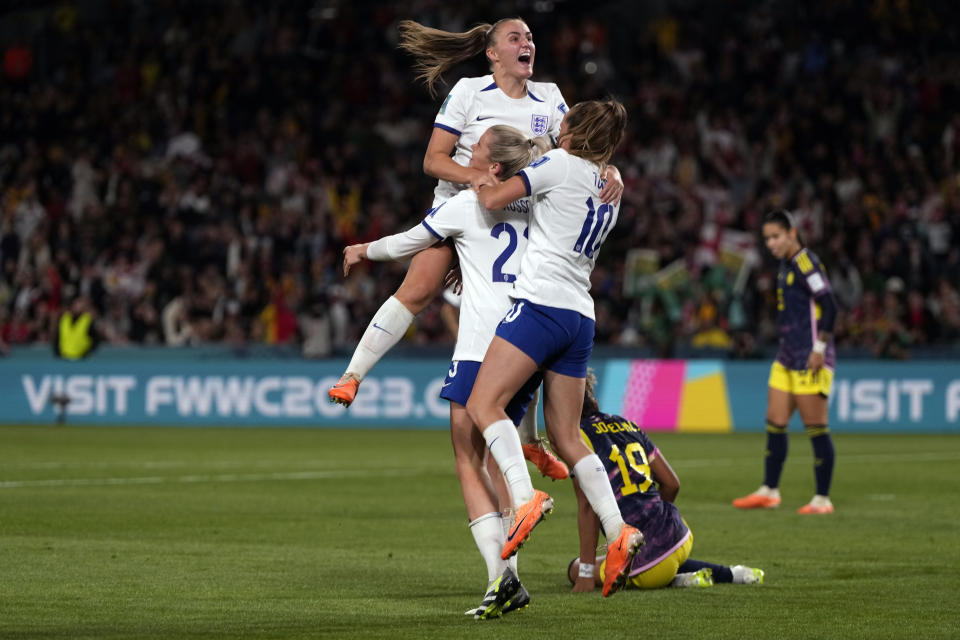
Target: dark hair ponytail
column 781, row 217
column 784, row 219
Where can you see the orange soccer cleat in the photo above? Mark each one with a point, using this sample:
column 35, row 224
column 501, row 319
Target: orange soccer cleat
column 528, row 515
column 816, row 506
column 757, row 501
column 620, row 554
column 344, row 391
column 548, row 464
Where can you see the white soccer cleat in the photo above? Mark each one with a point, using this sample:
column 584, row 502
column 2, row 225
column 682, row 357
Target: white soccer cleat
column 746, row 575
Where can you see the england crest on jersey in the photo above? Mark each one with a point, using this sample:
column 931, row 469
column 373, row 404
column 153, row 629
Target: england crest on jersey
column 539, row 124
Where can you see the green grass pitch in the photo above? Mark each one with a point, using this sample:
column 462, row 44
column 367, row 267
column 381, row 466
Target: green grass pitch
column 316, row 533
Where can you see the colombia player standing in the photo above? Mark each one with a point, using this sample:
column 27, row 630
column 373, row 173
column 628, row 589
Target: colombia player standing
column 802, row 375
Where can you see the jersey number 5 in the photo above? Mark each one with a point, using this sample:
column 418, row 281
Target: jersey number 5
column 642, row 468
column 587, row 242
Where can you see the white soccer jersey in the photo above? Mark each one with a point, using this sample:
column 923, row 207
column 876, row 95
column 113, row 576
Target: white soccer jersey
column 476, row 104
column 490, row 246
column 568, row 223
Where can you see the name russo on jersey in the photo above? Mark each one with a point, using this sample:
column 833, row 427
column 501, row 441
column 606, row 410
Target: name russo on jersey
column 519, row 206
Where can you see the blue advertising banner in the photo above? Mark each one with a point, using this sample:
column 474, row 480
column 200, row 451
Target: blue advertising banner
column 718, row 396
column 135, row 388
column 239, row 392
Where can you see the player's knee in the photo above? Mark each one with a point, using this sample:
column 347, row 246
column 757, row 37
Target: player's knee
column 569, row 448
column 415, row 295
column 775, row 428
column 473, row 410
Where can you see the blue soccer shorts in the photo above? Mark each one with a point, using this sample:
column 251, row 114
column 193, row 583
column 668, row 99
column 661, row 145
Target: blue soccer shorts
column 459, row 383
column 558, row 340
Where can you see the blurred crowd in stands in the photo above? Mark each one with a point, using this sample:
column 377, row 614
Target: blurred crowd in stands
column 195, row 169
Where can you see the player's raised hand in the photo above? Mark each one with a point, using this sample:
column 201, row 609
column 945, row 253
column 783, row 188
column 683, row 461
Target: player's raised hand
column 352, row 255
column 454, row 278
column 485, row 179
column 613, row 189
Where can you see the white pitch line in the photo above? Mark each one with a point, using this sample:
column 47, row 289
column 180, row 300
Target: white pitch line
column 200, row 478
column 842, row 458
column 144, row 464
column 321, row 475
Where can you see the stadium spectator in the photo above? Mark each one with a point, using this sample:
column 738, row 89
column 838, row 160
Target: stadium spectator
column 77, row 336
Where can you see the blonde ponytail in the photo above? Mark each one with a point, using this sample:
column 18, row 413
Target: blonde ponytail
column 438, row 51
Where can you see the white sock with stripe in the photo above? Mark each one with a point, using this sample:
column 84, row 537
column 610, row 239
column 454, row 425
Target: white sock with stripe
column 504, row 445
column 389, row 324
column 488, row 534
column 592, row 477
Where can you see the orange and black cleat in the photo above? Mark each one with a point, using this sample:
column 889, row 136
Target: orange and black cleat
column 528, row 515
column 548, row 464
column 344, row 391
column 620, row 554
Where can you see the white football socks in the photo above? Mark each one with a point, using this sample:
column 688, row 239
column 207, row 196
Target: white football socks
column 527, row 430
column 488, row 534
column 504, row 445
column 593, row 480
column 389, row 324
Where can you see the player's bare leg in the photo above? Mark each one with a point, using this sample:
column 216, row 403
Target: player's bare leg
column 564, row 403
column 423, row 281
column 534, row 448
column 503, row 592
column 504, row 371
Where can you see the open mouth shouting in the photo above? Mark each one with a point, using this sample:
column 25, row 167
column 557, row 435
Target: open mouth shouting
column 526, row 58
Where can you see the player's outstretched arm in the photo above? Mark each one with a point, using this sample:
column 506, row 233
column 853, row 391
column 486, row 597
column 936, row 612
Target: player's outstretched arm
column 588, row 528
column 399, row 246
column 665, row 477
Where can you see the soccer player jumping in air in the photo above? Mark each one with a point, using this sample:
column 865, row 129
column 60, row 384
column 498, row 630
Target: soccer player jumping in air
column 491, row 244
column 507, row 96
column 551, row 324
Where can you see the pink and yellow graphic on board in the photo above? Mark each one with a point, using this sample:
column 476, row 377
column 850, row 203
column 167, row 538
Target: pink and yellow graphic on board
column 677, row 395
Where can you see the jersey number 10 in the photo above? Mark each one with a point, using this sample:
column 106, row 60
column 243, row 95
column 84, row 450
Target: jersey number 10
column 587, row 242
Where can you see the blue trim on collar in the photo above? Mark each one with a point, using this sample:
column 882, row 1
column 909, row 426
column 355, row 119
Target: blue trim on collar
column 533, row 97
column 493, row 85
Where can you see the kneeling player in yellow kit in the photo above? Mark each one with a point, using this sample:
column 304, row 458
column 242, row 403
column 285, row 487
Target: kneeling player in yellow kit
column 645, row 487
